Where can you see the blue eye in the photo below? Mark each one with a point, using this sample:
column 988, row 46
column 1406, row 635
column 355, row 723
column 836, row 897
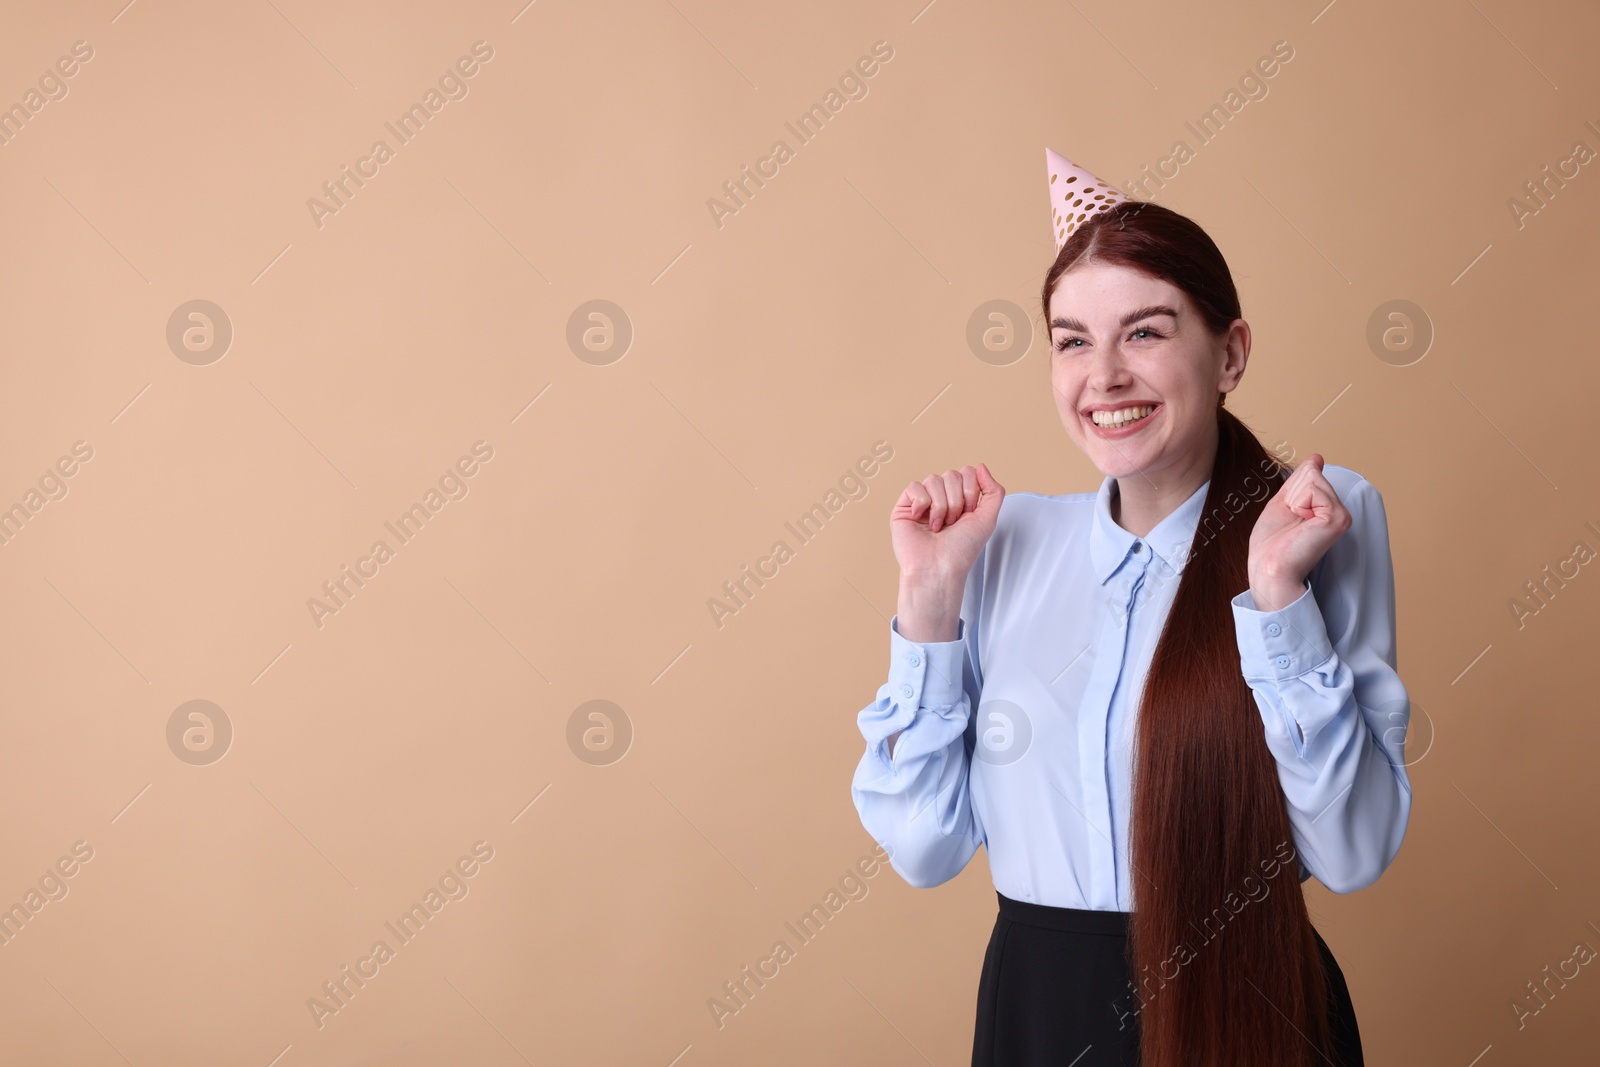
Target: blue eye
column 1064, row 345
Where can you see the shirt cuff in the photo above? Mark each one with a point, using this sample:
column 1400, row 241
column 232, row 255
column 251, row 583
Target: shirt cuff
column 1277, row 646
column 926, row 673
column 1282, row 644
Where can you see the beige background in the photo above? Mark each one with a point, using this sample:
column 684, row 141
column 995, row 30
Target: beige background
column 768, row 355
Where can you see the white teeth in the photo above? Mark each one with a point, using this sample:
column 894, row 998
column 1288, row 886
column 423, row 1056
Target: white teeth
column 1113, row 419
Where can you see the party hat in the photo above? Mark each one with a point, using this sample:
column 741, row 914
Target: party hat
column 1075, row 194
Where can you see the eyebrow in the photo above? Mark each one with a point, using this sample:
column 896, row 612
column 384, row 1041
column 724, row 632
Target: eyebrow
column 1127, row 320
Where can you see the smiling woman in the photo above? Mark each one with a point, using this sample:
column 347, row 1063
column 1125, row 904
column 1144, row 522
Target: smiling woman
column 1187, row 666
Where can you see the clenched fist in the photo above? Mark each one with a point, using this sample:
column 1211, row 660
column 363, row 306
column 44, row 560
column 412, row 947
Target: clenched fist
column 939, row 526
column 1294, row 530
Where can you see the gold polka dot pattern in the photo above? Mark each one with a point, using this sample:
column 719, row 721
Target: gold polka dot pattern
column 1072, row 188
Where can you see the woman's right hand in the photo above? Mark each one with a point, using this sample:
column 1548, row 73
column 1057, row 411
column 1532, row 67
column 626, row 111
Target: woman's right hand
column 939, row 527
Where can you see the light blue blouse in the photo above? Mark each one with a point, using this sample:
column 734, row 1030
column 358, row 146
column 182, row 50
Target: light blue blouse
column 1059, row 619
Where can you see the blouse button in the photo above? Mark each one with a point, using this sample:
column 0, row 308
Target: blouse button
column 913, row 659
column 1281, row 662
column 905, row 690
column 1273, row 629
column 1138, row 546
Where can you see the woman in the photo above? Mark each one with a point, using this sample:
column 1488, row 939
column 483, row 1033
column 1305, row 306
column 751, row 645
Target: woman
column 1160, row 706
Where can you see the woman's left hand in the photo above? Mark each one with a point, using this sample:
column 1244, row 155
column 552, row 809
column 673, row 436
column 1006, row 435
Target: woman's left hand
column 1300, row 523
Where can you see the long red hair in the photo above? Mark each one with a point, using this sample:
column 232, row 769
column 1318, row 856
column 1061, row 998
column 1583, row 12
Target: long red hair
column 1220, row 975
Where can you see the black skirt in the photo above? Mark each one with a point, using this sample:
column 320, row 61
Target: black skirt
column 1055, row 992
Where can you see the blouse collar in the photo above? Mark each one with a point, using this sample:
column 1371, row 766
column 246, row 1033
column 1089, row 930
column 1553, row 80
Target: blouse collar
column 1110, row 544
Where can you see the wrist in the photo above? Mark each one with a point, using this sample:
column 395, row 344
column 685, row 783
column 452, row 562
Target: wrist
column 930, row 609
column 933, row 582
column 1274, row 592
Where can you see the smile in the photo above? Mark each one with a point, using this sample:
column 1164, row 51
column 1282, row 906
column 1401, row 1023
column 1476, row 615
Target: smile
column 1124, row 422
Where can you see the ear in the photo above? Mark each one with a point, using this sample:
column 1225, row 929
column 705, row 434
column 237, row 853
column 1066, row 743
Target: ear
column 1235, row 355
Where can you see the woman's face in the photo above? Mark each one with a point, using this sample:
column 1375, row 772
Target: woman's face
column 1124, row 341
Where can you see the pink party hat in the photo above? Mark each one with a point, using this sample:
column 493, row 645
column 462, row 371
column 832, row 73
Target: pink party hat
column 1074, row 194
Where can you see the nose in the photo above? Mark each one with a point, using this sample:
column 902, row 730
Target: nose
column 1108, row 369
